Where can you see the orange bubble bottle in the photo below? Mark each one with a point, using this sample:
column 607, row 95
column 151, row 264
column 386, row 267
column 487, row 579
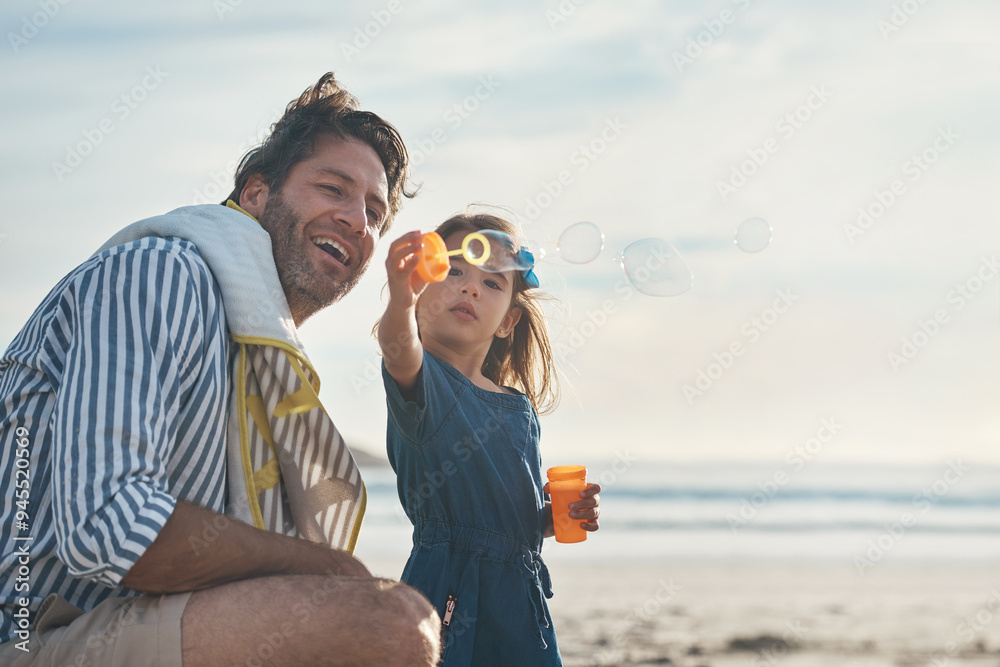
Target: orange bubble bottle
column 565, row 485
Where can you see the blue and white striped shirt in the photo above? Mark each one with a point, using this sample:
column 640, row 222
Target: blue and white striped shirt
column 113, row 400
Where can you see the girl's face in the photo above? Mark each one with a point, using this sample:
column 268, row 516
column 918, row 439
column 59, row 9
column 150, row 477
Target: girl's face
column 470, row 306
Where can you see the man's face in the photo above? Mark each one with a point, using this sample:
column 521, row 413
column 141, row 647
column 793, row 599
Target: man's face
column 324, row 223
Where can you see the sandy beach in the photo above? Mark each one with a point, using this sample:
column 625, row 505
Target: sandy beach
column 765, row 614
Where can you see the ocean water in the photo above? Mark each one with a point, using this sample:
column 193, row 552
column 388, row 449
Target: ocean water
column 797, row 511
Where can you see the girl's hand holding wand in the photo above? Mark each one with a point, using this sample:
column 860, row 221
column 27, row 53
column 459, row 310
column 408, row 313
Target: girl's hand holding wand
column 405, row 284
column 397, row 331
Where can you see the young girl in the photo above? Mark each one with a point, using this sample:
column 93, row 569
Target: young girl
column 464, row 446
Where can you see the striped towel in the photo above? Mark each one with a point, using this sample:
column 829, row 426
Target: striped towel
column 288, row 469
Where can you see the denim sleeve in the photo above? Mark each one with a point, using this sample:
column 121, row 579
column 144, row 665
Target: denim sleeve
column 435, row 397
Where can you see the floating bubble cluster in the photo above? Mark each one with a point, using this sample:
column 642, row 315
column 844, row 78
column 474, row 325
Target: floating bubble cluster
column 653, row 265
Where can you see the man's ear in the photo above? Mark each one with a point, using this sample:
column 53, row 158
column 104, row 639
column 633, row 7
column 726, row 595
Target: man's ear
column 253, row 199
column 508, row 322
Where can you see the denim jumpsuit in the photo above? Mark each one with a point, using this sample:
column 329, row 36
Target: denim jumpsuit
column 468, row 473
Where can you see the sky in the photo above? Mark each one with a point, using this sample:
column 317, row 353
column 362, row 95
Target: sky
column 863, row 133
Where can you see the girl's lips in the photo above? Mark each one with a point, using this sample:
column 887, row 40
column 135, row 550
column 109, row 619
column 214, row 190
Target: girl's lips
column 464, row 311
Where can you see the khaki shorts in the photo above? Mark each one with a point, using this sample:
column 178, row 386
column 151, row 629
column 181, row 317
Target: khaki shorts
column 141, row 631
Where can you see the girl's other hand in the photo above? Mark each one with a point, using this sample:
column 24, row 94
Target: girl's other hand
column 405, row 284
column 588, row 509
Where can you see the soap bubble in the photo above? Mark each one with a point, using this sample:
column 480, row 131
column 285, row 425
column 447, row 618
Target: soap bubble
column 655, row 268
column 753, row 235
column 504, row 252
column 580, row 243
column 535, row 248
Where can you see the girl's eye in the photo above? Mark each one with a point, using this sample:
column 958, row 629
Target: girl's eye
column 454, row 272
column 492, row 284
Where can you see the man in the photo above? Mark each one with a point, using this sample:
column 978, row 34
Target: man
column 181, row 497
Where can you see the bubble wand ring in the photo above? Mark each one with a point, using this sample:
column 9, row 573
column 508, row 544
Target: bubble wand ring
column 467, row 253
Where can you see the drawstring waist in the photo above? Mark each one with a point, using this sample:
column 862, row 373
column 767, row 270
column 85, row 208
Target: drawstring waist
column 539, row 584
column 475, row 540
column 470, row 539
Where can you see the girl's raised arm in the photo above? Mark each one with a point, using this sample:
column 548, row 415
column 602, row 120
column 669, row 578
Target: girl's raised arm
column 397, row 330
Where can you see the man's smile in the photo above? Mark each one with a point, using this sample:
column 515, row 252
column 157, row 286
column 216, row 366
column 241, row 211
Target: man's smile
column 335, row 249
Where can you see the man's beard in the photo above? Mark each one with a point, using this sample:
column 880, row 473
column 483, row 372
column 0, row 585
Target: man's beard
column 306, row 291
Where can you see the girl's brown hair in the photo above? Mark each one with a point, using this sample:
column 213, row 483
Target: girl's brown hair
column 523, row 360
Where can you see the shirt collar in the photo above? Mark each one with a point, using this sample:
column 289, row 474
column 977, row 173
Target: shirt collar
column 236, row 207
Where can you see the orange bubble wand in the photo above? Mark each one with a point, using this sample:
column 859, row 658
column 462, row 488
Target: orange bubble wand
column 433, row 265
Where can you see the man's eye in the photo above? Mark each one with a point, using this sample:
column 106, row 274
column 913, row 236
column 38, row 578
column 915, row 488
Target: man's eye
column 374, row 219
column 331, row 188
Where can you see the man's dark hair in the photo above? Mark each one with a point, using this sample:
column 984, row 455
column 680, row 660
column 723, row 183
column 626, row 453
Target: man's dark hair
column 326, row 109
